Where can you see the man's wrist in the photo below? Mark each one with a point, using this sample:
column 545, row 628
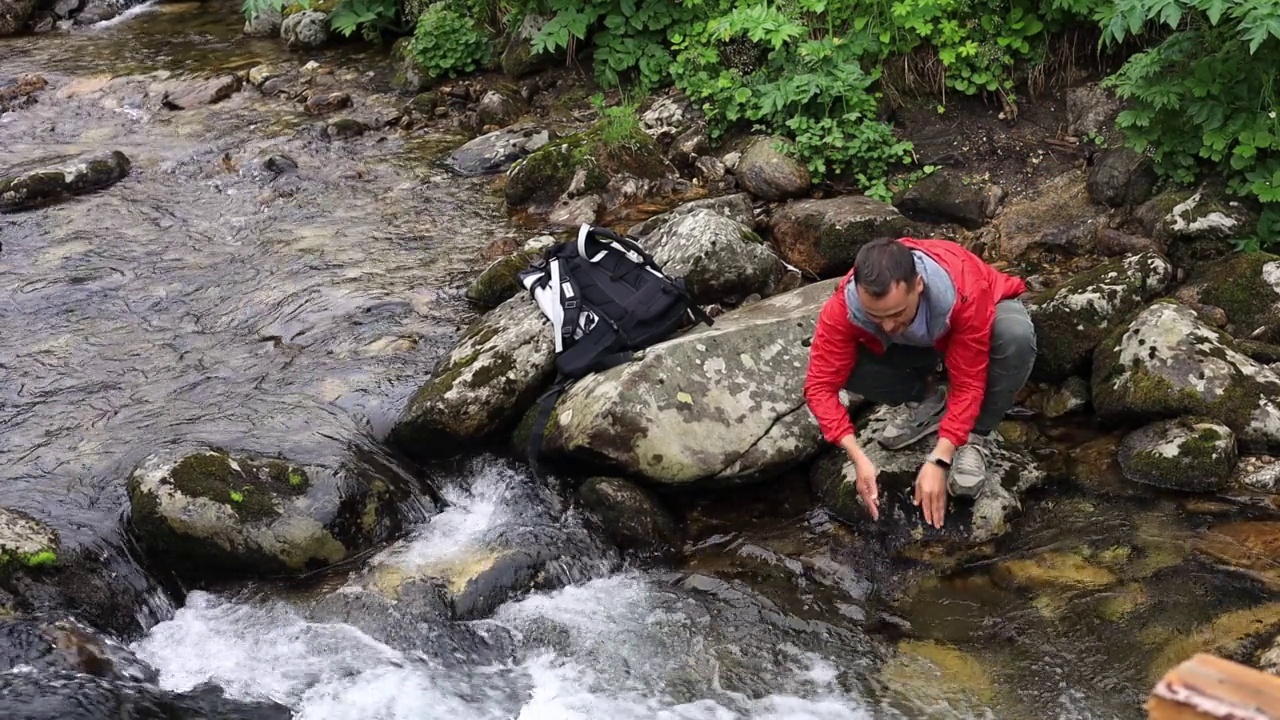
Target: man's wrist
column 944, row 450
column 850, row 444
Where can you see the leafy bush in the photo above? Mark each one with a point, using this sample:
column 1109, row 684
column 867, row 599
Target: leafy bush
column 447, row 42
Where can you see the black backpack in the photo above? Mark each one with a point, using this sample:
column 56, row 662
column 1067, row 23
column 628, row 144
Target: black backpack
column 606, row 298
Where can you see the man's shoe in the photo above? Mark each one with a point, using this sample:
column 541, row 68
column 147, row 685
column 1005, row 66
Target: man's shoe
column 968, row 468
column 924, row 419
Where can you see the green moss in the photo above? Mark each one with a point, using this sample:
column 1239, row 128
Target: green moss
column 545, row 175
column 1236, row 285
column 500, row 365
column 499, row 282
column 247, row 487
column 1197, row 456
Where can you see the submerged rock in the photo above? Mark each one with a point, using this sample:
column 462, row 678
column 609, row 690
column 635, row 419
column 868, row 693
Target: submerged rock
column 1054, row 570
column 720, row 260
column 716, row 405
column 1192, row 454
column 20, row 92
column 497, row 151
column 43, row 187
column 72, row 696
column 1054, row 402
column 1010, row 473
column 1167, row 363
column 1072, row 319
column 768, row 173
column 210, row 513
column 631, row 516
column 67, row 645
column 1248, row 547
column 1246, row 286
column 823, row 236
column 204, row 92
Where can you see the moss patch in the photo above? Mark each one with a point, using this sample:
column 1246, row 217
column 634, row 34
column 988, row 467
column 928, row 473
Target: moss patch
column 1236, row 285
column 1202, row 460
column 248, row 487
column 545, row 175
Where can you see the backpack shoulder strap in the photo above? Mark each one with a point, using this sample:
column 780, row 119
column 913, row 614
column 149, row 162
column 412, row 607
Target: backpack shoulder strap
column 546, row 404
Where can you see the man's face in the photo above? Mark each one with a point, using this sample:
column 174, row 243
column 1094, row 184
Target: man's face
column 895, row 311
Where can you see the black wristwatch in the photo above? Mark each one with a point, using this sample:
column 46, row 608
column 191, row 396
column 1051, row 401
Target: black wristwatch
column 944, row 464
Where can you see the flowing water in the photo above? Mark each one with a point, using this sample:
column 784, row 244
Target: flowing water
column 203, row 300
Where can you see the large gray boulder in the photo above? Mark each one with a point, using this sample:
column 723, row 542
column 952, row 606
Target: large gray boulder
column 823, row 237
column 214, row 514
column 1072, row 319
column 717, row 405
column 1167, row 363
column 1190, row 454
column 1011, row 472
column 1195, row 226
column 769, row 173
column 498, row 150
column 720, row 260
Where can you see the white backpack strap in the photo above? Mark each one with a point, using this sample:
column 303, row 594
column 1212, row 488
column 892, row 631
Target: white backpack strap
column 583, row 232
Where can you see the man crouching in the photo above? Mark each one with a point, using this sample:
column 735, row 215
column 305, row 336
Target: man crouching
column 919, row 307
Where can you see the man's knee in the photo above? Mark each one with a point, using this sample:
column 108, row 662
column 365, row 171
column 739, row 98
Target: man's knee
column 1013, row 335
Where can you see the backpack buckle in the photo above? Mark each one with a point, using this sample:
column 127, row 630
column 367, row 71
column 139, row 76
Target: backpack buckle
column 570, row 304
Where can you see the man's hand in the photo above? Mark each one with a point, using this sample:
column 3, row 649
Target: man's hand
column 865, row 476
column 931, row 493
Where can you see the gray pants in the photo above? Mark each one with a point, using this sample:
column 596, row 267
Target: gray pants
column 903, row 373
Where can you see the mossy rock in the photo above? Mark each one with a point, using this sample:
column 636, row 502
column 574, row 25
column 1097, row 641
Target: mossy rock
column 632, row 516
column 1190, row 453
column 25, row 541
column 1166, row 363
column 1072, row 319
column 211, row 513
column 542, row 177
column 1247, row 287
column 1194, row 226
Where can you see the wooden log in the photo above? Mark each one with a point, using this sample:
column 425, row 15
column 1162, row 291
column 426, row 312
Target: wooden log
column 1211, row 688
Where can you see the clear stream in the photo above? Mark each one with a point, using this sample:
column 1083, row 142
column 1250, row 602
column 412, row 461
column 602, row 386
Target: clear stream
column 196, row 302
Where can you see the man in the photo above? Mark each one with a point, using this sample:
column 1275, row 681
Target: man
column 906, row 305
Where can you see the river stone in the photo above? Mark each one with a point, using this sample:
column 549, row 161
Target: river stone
column 264, row 23
column 1261, row 473
column 209, row 513
column 1193, row 226
column 500, row 280
column 1059, row 400
column 1189, row 453
column 44, row 646
column 1247, row 288
column 496, row 151
column 1058, row 221
column 823, row 237
column 735, row 207
column 947, row 195
column 499, row 108
column 632, row 516
column 720, row 260
column 25, row 540
column 19, row 92
column 714, row 406
column 1072, row 319
column 1167, row 363
column 69, row 695
column 42, row 187
column 549, row 172
column 770, row 174
column 1248, row 547
column 307, row 29
column 14, row 15
column 495, row 371
column 1121, row 177
column 205, row 92
column 968, row 523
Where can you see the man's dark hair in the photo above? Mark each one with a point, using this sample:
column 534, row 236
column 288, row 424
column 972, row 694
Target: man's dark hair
column 881, row 264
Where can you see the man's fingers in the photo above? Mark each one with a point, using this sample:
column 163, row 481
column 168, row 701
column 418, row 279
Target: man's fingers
column 939, row 508
column 915, row 495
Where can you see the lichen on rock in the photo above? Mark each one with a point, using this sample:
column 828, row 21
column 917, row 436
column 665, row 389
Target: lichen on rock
column 823, row 237
column 1189, row 453
column 1247, row 287
column 25, row 541
column 720, row 260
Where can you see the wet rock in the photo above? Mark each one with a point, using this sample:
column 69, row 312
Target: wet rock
column 1011, row 472
column 1248, row 547
column 769, row 173
column 710, row 169
column 1193, row 226
column 1235, row 635
column 64, row 9
column 1094, row 467
column 320, row 103
column 1257, row 473
column 206, row 92
column 1053, row 570
column 716, row 405
column 617, row 171
column 265, row 23
column 20, row 92
column 307, row 29
column 1121, row 177
column 518, row 58
column 96, row 11
column 1189, row 453
column 572, row 213
column 691, row 146
column 735, row 207
column 924, row 675
column 1246, row 286
column 499, row 108
column 344, row 129
column 270, row 166
column 66, row 645
column 1166, row 363
column 1057, row 221
column 500, row 280
column 212, row 514
column 260, row 75
column 1090, row 109
column 495, row 371
column 720, row 260
column 14, row 15
column 25, row 541
column 1072, row 319
column 823, row 236
column 632, row 517
column 947, row 195
column 1113, row 243
column 1060, row 400
column 497, row 151
column 72, row 696
column 43, row 187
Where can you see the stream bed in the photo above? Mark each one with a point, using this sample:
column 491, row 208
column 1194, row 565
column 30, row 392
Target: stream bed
column 203, row 301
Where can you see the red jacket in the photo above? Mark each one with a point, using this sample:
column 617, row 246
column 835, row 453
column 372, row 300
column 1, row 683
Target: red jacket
column 965, row 346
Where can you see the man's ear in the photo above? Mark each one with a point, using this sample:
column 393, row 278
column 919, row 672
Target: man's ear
column 919, row 284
